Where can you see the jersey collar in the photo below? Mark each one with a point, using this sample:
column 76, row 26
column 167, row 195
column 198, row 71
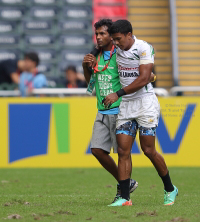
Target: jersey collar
column 106, row 54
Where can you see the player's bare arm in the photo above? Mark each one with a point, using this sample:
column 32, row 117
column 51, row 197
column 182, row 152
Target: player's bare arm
column 88, row 61
column 143, row 79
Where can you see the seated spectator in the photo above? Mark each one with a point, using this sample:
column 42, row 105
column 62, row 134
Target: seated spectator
column 10, row 70
column 31, row 79
column 74, row 79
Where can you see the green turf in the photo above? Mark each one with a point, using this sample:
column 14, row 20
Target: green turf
column 83, row 195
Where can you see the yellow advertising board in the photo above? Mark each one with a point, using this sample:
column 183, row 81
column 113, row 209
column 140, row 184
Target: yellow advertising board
column 56, row 132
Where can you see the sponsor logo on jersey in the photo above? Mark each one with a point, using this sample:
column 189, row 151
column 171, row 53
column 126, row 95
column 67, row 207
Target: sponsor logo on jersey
column 144, row 54
column 127, row 68
column 109, row 67
column 128, row 74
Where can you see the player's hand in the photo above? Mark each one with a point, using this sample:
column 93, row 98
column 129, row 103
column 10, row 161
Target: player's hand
column 152, row 77
column 110, row 99
column 89, row 61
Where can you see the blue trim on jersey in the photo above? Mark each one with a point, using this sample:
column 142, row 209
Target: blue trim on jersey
column 106, row 54
column 110, row 111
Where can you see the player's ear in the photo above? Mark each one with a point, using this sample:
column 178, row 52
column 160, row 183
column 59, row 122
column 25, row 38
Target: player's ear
column 129, row 35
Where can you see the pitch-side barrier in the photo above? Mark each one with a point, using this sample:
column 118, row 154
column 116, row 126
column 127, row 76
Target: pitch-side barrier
column 60, row 92
column 176, row 89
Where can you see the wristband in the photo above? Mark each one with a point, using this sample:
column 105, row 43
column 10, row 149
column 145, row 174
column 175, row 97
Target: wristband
column 121, row 93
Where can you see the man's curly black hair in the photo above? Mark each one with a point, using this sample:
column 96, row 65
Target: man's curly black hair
column 104, row 22
column 121, row 26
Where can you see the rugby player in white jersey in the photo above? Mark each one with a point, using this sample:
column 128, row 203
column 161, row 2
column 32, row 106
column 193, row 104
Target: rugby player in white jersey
column 139, row 109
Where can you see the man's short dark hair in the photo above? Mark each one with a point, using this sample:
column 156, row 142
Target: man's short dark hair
column 33, row 56
column 104, row 22
column 121, row 26
column 71, row 68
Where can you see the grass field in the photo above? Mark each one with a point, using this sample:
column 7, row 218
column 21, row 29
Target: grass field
column 83, row 195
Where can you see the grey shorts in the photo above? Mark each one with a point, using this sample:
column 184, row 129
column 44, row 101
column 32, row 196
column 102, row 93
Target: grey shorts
column 104, row 133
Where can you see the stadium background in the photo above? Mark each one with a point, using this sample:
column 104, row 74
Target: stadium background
column 33, row 134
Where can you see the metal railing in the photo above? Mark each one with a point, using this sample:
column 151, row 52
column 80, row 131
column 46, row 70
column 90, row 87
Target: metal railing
column 60, row 92
column 64, row 92
column 176, row 89
column 45, row 91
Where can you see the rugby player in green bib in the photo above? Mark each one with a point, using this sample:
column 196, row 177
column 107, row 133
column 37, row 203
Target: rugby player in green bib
column 105, row 73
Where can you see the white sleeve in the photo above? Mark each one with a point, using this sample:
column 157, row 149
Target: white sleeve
column 146, row 53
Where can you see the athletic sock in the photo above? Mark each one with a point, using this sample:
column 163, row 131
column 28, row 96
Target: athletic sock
column 125, row 188
column 168, row 186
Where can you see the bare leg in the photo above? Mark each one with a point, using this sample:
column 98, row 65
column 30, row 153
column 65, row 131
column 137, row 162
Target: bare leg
column 124, row 153
column 124, row 163
column 106, row 161
column 131, row 164
column 148, row 147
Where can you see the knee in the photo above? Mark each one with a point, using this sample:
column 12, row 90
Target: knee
column 97, row 152
column 122, row 153
column 149, row 152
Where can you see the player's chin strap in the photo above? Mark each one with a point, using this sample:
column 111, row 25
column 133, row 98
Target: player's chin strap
column 98, row 60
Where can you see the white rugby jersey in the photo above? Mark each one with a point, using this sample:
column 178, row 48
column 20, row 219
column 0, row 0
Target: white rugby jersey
column 128, row 66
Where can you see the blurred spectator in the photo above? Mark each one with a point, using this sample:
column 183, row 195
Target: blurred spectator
column 31, row 79
column 74, row 79
column 10, row 70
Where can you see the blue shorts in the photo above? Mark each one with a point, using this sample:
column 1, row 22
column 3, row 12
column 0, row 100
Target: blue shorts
column 130, row 128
